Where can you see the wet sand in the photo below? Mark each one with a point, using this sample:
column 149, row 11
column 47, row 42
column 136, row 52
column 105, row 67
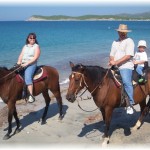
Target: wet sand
column 77, row 129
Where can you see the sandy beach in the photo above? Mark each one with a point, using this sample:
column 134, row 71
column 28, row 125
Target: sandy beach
column 77, row 129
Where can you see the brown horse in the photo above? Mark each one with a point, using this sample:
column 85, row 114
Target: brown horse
column 11, row 91
column 105, row 93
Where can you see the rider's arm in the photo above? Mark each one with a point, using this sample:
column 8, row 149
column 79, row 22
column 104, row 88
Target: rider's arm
column 20, row 57
column 122, row 60
column 119, row 61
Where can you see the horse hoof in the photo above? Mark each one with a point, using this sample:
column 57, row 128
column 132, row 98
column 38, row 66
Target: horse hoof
column 60, row 117
column 137, row 126
column 17, row 131
column 43, row 122
column 6, row 137
column 105, row 142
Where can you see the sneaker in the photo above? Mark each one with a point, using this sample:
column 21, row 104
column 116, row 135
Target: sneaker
column 31, row 99
column 141, row 80
column 130, row 110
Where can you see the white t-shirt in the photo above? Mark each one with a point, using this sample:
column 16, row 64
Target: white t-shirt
column 140, row 56
column 121, row 48
column 28, row 53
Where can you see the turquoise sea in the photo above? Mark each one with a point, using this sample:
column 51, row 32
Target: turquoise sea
column 86, row 42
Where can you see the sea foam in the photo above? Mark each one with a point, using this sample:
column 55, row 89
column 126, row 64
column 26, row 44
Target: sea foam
column 64, row 82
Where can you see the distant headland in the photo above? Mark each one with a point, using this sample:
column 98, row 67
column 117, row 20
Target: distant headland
column 138, row 16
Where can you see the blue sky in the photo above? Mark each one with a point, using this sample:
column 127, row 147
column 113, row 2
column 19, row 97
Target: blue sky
column 23, row 10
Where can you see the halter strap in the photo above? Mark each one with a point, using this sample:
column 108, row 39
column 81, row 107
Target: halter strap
column 81, row 78
column 86, row 83
column 82, row 75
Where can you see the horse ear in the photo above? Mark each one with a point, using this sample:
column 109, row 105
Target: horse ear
column 71, row 64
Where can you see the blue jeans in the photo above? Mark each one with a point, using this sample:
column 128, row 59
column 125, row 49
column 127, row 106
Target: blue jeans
column 139, row 70
column 28, row 74
column 126, row 75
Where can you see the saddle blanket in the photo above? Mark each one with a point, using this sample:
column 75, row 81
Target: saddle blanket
column 39, row 75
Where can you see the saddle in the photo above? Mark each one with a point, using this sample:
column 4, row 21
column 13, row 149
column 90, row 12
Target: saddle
column 39, row 75
column 135, row 77
column 118, row 82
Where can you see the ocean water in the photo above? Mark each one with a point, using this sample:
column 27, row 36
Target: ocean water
column 86, row 42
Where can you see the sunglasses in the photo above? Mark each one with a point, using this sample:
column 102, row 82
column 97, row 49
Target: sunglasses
column 122, row 33
column 31, row 38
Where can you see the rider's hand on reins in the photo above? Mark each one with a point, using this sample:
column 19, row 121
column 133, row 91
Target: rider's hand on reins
column 16, row 65
column 24, row 65
column 112, row 62
column 114, row 67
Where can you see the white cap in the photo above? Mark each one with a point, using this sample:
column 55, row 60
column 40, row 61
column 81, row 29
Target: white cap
column 142, row 43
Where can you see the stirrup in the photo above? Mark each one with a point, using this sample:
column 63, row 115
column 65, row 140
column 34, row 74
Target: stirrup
column 31, row 99
column 132, row 107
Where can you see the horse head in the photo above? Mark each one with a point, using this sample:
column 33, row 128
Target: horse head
column 77, row 81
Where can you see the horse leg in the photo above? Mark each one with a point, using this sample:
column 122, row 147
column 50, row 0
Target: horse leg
column 108, row 115
column 59, row 102
column 11, row 107
column 47, row 101
column 142, row 105
column 17, row 130
column 103, row 113
column 144, row 111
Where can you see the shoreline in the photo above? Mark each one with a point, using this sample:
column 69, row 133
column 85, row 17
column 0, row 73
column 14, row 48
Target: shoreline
column 132, row 20
column 81, row 129
column 85, row 20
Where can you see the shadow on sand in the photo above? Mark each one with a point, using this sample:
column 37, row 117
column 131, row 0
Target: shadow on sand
column 122, row 121
column 37, row 115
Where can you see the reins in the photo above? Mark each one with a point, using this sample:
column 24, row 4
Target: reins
column 101, row 81
column 82, row 78
column 10, row 73
column 80, row 96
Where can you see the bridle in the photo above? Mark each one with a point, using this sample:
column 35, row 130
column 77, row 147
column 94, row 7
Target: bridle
column 83, row 79
column 80, row 85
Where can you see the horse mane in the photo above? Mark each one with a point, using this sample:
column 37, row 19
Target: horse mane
column 96, row 73
column 4, row 68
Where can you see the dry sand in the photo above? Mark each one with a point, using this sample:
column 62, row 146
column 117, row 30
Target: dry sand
column 78, row 129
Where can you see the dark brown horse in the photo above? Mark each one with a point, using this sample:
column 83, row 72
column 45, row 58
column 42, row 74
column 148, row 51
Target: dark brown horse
column 105, row 93
column 11, row 91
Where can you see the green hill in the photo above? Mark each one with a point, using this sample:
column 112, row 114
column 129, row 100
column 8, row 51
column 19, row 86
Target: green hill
column 138, row 16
